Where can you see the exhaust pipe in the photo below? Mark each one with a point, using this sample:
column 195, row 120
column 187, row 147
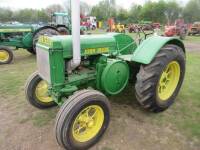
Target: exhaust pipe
column 75, row 18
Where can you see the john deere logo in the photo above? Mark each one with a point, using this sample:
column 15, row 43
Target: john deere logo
column 45, row 40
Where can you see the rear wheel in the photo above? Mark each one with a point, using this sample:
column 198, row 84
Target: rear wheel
column 159, row 82
column 46, row 31
column 6, row 55
column 36, row 91
column 82, row 120
column 63, row 30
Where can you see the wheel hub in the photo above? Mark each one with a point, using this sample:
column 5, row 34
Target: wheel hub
column 4, row 55
column 168, row 81
column 88, row 123
column 42, row 92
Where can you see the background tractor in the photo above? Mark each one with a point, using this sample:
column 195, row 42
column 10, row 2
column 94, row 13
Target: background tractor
column 62, row 22
column 195, row 29
column 79, row 72
column 21, row 36
column 178, row 29
column 113, row 27
column 26, row 36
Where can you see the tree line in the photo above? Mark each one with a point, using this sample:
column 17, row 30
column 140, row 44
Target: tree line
column 161, row 11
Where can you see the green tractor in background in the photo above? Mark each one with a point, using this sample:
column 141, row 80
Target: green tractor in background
column 21, row 36
column 79, row 72
column 26, row 36
column 62, row 22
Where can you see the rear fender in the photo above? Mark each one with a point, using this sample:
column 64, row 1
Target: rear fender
column 148, row 49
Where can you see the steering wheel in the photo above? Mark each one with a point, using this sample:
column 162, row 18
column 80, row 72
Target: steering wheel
column 140, row 29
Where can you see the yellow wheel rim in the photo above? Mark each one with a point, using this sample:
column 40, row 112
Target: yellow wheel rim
column 41, row 92
column 168, row 81
column 88, row 123
column 4, row 56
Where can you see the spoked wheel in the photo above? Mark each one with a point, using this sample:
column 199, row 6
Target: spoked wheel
column 82, row 120
column 36, row 91
column 6, row 55
column 159, row 82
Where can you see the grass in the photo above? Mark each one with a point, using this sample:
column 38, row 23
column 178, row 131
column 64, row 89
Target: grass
column 194, row 39
column 184, row 114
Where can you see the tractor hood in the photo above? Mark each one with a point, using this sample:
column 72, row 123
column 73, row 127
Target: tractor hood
column 90, row 44
column 6, row 28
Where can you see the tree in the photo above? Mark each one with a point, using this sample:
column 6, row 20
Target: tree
column 173, row 11
column 6, row 14
column 122, row 16
column 191, row 11
column 134, row 13
column 104, row 10
column 54, row 8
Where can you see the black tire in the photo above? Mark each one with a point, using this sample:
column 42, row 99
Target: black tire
column 68, row 113
column 10, row 55
column 149, row 76
column 45, row 31
column 63, row 30
column 30, row 93
column 82, row 32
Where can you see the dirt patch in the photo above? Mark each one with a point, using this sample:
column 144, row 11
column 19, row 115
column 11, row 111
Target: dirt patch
column 130, row 128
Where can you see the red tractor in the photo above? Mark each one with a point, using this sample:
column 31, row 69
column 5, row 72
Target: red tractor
column 178, row 29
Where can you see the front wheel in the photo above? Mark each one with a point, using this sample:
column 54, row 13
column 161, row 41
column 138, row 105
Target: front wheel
column 6, row 55
column 159, row 82
column 82, row 120
column 36, row 91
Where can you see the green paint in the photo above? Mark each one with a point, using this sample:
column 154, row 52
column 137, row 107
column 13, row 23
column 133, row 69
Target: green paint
column 147, row 50
column 19, row 36
column 115, row 76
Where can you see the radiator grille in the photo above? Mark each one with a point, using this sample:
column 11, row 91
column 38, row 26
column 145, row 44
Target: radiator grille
column 43, row 63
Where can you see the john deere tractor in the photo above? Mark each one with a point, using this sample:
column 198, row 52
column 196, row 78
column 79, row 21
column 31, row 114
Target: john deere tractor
column 26, row 36
column 21, row 36
column 78, row 73
column 62, row 22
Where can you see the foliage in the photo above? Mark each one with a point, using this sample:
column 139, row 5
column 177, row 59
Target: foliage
column 162, row 11
column 191, row 11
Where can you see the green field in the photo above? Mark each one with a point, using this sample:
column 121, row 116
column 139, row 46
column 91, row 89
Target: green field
column 183, row 116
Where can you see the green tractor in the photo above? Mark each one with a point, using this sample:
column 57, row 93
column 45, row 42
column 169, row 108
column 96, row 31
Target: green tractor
column 26, row 36
column 62, row 22
column 21, row 36
column 79, row 72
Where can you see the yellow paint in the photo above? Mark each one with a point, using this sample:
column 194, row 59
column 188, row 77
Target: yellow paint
column 4, row 55
column 91, row 51
column 14, row 30
column 168, row 81
column 45, row 40
column 41, row 92
column 88, row 123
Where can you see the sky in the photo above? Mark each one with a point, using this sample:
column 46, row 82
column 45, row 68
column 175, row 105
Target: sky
column 18, row 4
